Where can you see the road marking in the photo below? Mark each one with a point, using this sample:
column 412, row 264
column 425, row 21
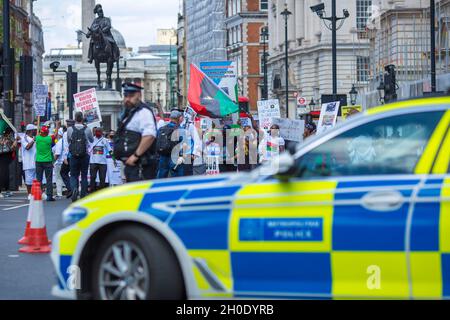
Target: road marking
column 16, row 207
column 13, row 200
column 13, row 256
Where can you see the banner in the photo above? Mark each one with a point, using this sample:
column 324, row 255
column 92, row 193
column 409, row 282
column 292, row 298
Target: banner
column 291, row 129
column 346, row 110
column 87, row 103
column 224, row 74
column 268, row 110
column 40, row 95
column 328, row 116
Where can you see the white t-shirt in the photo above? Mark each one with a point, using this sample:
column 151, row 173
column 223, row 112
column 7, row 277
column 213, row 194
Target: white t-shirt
column 213, row 149
column 99, row 150
column 28, row 156
column 270, row 147
column 143, row 122
column 58, row 150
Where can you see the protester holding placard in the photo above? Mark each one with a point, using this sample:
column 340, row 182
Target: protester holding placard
column 28, row 147
column 272, row 145
column 44, row 160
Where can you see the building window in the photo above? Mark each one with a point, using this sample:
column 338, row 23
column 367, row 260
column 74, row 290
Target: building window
column 362, row 69
column 264, row 5
column 363, row 13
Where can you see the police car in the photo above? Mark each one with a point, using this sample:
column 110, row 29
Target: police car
column 361, row 211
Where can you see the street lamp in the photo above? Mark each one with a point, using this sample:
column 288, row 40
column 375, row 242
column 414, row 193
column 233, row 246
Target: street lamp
column 353, row 95
column 320, row 11
column 70, row 78
column 286, row 13
column 265, row 37
column 158, row 93
column 312, row 104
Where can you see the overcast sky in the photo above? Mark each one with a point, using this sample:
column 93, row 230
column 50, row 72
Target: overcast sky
column 136, row 20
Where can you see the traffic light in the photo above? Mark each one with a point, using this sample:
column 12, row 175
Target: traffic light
column 26, row 74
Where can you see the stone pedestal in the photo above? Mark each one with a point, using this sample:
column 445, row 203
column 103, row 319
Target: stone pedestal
column 110, row 106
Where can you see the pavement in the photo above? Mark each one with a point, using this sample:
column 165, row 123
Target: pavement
column 25, row 276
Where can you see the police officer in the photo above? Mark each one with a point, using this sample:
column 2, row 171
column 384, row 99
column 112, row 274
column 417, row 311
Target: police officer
column 134, row 142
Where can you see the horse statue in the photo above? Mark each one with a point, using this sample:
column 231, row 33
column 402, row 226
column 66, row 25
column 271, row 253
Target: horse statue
column 103, row 47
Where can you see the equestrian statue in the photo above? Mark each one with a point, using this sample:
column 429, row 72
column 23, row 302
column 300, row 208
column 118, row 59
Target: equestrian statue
column 102, row 47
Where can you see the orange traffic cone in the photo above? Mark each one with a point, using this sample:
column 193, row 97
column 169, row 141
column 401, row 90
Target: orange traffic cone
column 32, row 207
column 37, row 240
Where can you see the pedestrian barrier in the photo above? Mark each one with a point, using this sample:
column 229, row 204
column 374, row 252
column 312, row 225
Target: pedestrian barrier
column 32, row 207
column 37, row 240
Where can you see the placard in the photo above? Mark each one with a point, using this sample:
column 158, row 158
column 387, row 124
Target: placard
column 224, row 74
column 346, row 110
column 328, row 116
column 87, row 103
column 268, row 110
column 40, row 95
column 290, row 129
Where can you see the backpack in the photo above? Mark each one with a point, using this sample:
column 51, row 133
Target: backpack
column 164, row 143
column 78, row 143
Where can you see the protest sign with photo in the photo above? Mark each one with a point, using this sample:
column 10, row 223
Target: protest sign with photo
column 290, row 129
column 205, row 124
column 328, row 116
column 87, row 103
column 268, row 110
column 40, row 95
column 246, row 122
column 224, row 74
column 189, row 114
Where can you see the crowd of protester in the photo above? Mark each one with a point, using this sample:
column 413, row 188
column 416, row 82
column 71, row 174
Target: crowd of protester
column 80, row 160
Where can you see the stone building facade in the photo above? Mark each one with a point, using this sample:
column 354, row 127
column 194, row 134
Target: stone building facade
column 310, row 50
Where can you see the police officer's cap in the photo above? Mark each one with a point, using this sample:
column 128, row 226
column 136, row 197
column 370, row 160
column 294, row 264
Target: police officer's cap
column 131, row 88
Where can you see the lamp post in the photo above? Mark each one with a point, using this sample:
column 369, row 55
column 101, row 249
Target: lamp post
column 158, row 93
column 286, row 13
column 433, row 45
column 70, row 77
column 320, row 11
column 265, row 36
column 353, row 95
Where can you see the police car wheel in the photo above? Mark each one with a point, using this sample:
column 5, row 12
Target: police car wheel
column 134, row 263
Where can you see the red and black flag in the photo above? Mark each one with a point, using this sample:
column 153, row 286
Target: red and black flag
column 206, row 98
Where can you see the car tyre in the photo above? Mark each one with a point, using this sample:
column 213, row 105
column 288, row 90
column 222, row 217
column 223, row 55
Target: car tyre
column 157, row 261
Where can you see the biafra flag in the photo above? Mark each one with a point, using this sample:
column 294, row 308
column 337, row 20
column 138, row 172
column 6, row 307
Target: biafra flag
column 206, row 98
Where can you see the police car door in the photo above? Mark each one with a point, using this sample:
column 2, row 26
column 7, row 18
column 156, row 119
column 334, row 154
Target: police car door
column 338, row 228
column 430, row 222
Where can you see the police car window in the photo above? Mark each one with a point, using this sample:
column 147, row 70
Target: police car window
column 387, row 146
